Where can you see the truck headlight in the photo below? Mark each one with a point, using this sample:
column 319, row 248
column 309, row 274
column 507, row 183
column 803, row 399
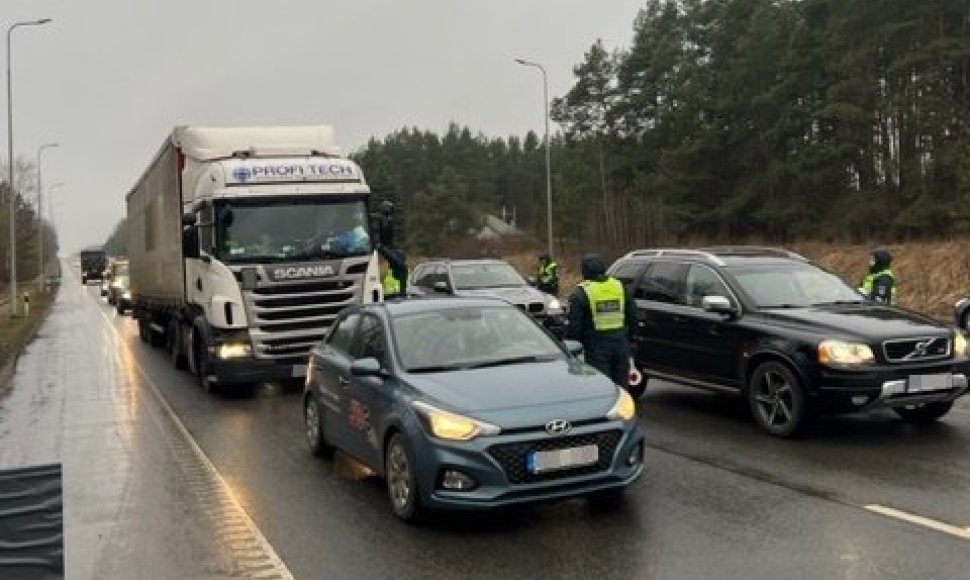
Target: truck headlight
column 959, row 344
column 234, row 350
column 452, row 426
column 837, row 352
column 624, row 409
column 126, row 295
column 554, row 306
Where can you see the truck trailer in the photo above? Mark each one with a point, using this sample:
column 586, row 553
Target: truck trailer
column 244, row 244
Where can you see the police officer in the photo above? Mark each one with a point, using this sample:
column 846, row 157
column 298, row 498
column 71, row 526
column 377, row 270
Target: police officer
column 395, row 279
column 880, row 284
column 548, row 278
column 602, row 316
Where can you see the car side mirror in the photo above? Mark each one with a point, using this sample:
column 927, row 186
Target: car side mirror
column 366, row 367
column 718, row 304
column 573, row 347
column 442, row 287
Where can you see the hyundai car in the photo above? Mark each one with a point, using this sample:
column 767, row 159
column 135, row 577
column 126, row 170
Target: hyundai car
column 467, row 404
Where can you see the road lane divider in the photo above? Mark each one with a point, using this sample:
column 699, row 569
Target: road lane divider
column 252, row 554
column 920, row 521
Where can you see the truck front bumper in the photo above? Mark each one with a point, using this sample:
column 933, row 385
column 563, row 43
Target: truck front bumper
column 248, row 371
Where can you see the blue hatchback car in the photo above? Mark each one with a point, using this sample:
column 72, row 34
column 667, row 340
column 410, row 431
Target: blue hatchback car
column 466, row 403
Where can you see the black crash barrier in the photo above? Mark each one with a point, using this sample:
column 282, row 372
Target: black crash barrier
column 31, row 523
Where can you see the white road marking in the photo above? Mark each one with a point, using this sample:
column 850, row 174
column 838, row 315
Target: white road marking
column 277, row 568
column 921, row 521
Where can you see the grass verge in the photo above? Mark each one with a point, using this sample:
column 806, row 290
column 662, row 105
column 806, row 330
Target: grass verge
column 16, row 333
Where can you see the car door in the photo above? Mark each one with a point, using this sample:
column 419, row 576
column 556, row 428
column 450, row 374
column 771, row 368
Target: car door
column 712, row 341
column 659, row 294
column 332, row 369
column 368, row 398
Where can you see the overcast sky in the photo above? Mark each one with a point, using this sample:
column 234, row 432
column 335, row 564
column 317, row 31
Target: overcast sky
column 108, row 79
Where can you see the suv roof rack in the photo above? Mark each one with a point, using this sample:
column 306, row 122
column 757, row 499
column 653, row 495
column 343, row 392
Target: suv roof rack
column 657, row 252
column 755, row 251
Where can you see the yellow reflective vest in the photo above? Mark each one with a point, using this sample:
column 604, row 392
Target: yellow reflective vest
column 392, row 285
column 607, row 302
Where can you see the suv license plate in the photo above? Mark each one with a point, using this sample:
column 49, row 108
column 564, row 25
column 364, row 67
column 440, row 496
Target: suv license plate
column 920, row 383
column 543, row 461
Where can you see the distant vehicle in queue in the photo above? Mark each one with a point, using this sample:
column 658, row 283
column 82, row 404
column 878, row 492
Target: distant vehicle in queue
column 465, row 404
column 93, row 262
column 119, row 291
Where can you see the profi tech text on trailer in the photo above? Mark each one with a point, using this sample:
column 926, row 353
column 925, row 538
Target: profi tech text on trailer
column 245, row 244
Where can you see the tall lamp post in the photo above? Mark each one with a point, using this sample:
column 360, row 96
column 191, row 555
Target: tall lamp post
column 545, row 104
column 40, row 215
column 10, row 183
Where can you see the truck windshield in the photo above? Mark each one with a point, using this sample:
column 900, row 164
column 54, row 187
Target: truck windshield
column 283, row 231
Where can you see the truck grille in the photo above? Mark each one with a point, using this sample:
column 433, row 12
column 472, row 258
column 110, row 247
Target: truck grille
column 289, row 318
column 916, row 349
column 512, row 456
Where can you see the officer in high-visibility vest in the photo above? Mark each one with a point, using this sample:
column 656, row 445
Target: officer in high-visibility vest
column 880, row 284
column 396, row 278
column 392, row 286
column 602, row 316
column 548, row 278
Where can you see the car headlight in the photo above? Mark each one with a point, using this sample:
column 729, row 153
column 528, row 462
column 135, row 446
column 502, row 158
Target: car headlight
column 452, row 426
column 554, row 306
column 126, row 295
column 837, row 352
column 234, row 350
column 959, row 344
column 624, row 409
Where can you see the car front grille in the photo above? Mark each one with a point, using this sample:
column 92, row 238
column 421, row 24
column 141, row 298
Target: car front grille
column 512, row 456
column 916, row 349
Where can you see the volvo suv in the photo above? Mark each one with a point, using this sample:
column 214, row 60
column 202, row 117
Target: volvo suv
column 791, row 337
column 487, row 278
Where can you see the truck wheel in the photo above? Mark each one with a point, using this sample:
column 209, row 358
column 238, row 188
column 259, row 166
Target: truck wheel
column 199, row 362
column 143, row 329
column 776, row 399
column 175, row 351
column 156, row 339
column 925, row 413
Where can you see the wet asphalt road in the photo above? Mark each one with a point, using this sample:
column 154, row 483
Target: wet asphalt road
column 717, row 500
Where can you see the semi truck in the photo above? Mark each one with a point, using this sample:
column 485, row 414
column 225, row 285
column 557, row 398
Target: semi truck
column 94, row 260
column 244, row 244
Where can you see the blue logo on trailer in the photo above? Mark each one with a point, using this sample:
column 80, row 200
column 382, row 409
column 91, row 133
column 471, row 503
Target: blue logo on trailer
column 242, row 174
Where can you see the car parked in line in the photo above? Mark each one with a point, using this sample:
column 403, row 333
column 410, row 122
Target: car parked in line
column 791, row 337
column 119, row 292
column 462, row 403
column 487, row 278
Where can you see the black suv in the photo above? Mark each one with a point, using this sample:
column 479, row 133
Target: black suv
column 488, row 278
column 793, row 338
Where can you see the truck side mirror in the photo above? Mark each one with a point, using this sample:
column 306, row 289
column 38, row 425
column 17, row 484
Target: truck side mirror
column 190, row 241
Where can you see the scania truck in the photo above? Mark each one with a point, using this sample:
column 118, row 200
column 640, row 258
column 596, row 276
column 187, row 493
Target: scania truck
column 244, row 244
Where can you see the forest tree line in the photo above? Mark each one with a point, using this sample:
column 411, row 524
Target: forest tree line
column 26, row 226
column 724, row 120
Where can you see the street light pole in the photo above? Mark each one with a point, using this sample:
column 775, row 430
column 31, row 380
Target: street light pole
column 40, row 215
column 10, row 183
column 545, row 104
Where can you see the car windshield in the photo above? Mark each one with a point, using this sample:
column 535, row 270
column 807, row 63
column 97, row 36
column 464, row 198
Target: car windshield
column 792, row 285
column 485, row 275
column 284, row 231
column 470, row 337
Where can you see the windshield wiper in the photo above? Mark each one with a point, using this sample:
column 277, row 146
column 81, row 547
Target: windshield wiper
column 840, row 302
column 437, row 368
column 512, row 361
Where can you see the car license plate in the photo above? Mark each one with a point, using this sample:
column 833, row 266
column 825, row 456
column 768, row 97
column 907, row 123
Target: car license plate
column 920, row 383
column 543, row 461
column 299, row 371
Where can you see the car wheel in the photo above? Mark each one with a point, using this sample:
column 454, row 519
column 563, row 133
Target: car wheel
column 925, row 413
column 313, row 416
column 402, row 484
column 776, row 399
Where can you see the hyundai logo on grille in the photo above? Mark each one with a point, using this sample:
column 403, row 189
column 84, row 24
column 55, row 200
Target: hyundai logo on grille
column 558, row 427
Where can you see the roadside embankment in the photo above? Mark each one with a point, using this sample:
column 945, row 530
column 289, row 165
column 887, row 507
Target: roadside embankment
column 16, row 333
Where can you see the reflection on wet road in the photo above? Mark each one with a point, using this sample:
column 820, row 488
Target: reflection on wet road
column 718, row 499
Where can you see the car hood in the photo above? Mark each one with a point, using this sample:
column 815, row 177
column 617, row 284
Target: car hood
column 513, row 294
column 866, row 321
column 519, row 395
